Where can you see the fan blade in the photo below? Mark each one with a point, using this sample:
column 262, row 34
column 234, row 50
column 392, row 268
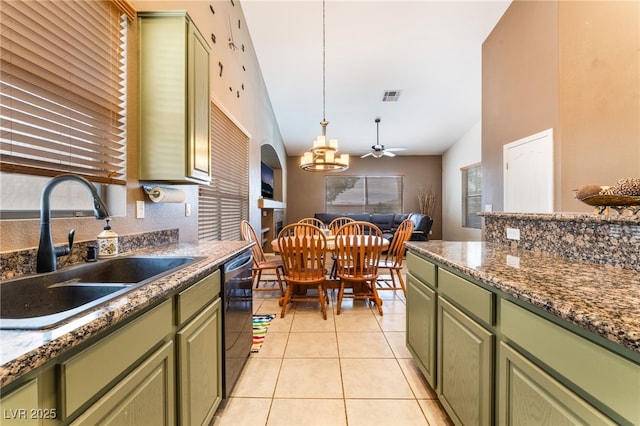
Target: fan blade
column 388, row 153
column 366, row 155
column 396, row 149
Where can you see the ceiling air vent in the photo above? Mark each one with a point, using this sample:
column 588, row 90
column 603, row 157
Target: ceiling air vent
column 391, row 96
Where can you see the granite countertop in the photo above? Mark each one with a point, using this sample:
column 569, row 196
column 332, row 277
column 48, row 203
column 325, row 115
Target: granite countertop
column 21, row 351
column 602, row 299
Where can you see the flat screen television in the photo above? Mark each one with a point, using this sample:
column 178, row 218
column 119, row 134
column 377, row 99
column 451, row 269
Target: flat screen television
column 267, row 181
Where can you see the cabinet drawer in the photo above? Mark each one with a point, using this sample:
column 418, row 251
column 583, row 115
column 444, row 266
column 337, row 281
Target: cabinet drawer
column 423, row 269
column 474, row 299
column 609, row 378
column 196, row 297
column 87, row 373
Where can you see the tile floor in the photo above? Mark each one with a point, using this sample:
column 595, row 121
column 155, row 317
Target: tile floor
column 352, row 369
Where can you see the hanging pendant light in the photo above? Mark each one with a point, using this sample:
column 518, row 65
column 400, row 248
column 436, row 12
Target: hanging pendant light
column 322, row 156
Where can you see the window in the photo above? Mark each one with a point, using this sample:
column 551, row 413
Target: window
column 358, row 194
column 225, row 202
column 63, row 89
column 471, row 196
column 63, row 93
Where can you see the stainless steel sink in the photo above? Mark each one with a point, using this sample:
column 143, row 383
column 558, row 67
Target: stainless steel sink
column 46, row 300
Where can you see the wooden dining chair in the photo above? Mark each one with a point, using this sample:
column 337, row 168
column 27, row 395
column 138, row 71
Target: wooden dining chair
column 313, row 221
column 358, row 250
column 393, row 259
column 338, row 222
column 303, row 256
column 260, row 262
column 333, row 228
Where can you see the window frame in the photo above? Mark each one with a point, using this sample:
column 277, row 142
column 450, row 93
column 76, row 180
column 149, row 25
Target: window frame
column 367, row 195
column 470, row 219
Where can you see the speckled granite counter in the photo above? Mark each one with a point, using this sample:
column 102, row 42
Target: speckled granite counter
column 602, row 299
column 23, row 351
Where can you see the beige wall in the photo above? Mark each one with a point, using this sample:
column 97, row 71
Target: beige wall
column 599, row 94
column 572, row 66
column 309, row 188
column 251, row 112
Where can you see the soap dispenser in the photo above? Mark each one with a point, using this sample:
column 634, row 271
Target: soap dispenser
column 107, row 242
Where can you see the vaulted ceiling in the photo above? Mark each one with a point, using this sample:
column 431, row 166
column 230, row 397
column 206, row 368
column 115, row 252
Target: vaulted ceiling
column 428, row 51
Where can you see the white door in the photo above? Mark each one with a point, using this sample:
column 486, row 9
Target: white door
column 528, row 174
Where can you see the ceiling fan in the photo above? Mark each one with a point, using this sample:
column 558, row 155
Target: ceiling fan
column 378, row 150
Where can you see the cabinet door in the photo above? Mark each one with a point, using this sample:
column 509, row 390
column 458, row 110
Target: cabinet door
column 18, row 408
column 174, row 106
column 528, row 395
column 144, row 397
column 199, row 156
column 421, row 326
column 200, row 367
column 465, row 367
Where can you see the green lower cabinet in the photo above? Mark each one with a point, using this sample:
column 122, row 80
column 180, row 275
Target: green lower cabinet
column 498, row 362
column 144, row 397
column 421, row 326
column 20, row 406
column 200, row 367
column 465, row 367
column 527, row 395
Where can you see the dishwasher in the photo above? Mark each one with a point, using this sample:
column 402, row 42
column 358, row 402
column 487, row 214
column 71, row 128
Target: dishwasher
column 237, row 318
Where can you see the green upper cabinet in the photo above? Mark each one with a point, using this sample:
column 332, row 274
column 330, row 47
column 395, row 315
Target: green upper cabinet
column 175, row 117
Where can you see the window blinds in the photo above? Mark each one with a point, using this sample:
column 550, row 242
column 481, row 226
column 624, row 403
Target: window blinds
column 63, row 89
column 357, row 194
column 225, row 202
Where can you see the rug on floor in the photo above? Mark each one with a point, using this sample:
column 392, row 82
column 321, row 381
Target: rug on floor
column 260, row 326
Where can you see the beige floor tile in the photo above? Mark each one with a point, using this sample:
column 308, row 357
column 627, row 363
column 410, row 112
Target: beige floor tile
column 391, row 306
column 434, row 412
column 273, row 346
column 281, row 325
column 312, row 345
column 266, row 306
column 289, row 383
column 384, row 412
column 373, row 378
column 243, row 412
column 356, row 321
column 310, row 321
column 350, row 305
column 307, row 412
column 309, row 378
column 258, row 379
column 416, row 379
column 364, row 345
column 392, row 322
column 390, row 294
column 397, row 341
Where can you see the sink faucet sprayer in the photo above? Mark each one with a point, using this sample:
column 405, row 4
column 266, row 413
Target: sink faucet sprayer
column 47, row 252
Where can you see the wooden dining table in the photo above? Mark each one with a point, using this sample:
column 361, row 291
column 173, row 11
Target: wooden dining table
column 331, row 242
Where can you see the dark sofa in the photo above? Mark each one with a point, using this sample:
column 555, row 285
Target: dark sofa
column 387, row 222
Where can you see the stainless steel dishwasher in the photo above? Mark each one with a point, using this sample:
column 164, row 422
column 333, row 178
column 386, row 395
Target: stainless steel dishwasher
column 237, row 318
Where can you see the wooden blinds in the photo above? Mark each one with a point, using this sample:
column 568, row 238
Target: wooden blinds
column 63, row 89
column 225, row 202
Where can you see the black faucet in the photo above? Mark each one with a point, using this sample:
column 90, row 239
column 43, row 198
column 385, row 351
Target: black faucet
column 47, row 252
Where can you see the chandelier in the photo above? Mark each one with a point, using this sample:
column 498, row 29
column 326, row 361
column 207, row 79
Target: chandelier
column 322, row 156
